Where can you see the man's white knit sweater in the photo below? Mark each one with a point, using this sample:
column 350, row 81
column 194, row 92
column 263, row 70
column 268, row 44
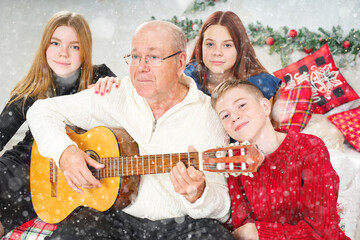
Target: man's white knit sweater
column 190, row 122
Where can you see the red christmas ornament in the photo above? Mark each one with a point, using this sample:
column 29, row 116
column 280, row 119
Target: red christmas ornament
column 321, row 39
column 346, row 44
column 194, row 27
column 292, row 33
column 307, row 50
column 270, row 41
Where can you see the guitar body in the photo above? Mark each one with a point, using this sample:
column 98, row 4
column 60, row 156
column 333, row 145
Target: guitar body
column 54, row 200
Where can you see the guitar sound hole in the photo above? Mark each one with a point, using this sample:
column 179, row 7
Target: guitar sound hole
column 95, row 156
column 94, row 172
column 92, row 154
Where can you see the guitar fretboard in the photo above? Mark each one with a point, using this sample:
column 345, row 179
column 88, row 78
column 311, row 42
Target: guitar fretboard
column 146, row 164
column 139, row 165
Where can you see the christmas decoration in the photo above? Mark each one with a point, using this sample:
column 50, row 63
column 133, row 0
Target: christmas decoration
column 285, row 45
column 201, row 5
column 292, row 33
column 195, row 27
column 284, row 41
column 307, row 50
column 270, row 41
column 190, row 27
column 346, row 44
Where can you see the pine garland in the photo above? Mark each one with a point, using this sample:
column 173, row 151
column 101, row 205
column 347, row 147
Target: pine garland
column 286, row 40
column 306, row 40
column 201, row 5
column 190, row 27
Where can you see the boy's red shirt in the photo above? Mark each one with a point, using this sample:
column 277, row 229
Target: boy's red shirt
column 293, row 195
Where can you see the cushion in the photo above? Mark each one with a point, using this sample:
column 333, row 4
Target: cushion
column 33, row 229
column 321, row 127
column 348, row 123
column 329, row 87
column 292, row 110
column 342, row 108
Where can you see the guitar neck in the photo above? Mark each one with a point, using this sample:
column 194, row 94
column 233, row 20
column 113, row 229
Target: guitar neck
column 146, row 164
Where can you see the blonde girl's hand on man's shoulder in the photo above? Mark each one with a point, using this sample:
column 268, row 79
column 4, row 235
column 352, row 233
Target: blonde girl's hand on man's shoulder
column 104, row 85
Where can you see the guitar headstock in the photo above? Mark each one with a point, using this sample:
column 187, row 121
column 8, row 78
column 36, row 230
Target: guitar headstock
column 237, row 158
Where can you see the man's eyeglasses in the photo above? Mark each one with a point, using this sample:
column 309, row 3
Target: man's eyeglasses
column 150, row 60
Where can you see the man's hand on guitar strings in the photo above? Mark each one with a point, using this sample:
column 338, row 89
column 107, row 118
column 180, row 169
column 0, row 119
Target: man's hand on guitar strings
column 188, row 182
column 73, row 163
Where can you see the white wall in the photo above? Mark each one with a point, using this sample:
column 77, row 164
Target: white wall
column 113, row 22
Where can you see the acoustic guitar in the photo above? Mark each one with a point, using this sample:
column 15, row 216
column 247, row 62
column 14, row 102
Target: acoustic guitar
column 54, row 200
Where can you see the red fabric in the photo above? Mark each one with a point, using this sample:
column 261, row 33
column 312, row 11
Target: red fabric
column 348, row 123
column 16, row 233
column 33, row 229
column 293, row 195
column 294, row 107
column 329, row 87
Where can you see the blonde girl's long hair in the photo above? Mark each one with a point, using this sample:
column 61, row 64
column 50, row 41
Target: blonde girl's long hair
column 39, row 80
column 246, row 65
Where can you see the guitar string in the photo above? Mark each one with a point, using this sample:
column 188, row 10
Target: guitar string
column 131, row 172
column 153, row 158
column 159, row 169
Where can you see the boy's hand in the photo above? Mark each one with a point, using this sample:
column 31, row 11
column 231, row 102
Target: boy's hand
column 246, row 232
column 103, row 85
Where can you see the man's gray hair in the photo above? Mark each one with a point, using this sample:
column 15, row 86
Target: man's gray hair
column 179, row 40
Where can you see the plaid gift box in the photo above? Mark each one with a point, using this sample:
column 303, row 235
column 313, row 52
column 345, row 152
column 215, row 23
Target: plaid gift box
column 329, row 87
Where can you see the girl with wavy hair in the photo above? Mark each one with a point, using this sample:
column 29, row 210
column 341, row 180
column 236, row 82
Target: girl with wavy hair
column 62, row 65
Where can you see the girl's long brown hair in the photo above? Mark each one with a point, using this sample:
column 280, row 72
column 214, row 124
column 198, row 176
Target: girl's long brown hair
column 39, row 80
column 246, row 64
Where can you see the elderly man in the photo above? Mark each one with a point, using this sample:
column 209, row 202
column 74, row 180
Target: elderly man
column 164, row 112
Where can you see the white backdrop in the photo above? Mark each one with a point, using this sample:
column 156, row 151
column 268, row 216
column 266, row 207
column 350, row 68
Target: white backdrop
column 113, row 21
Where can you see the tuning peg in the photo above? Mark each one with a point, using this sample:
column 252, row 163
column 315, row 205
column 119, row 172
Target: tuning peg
column 243, row 166
column 231, row 166
column 220, row 154
column 220, row 166
column 242, row 151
